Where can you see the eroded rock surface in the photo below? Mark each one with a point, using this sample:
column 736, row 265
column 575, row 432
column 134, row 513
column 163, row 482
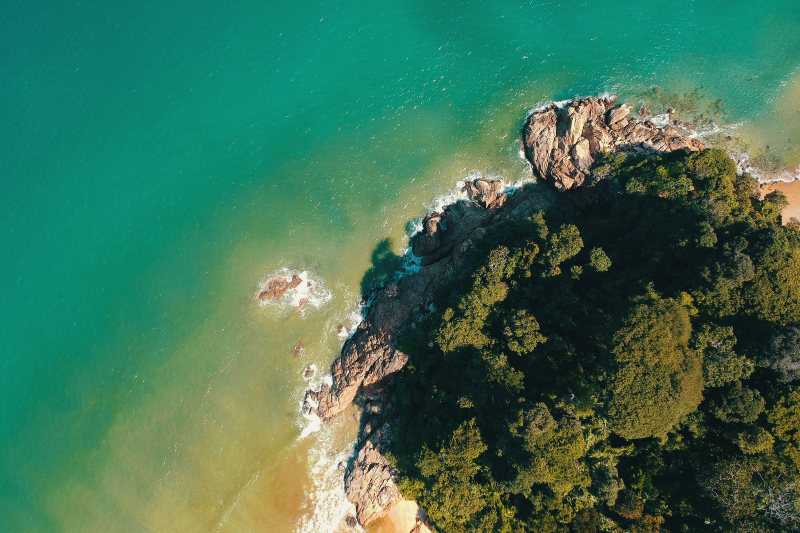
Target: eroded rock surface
column 562, row 143
column 370, row 480
column 370, row 356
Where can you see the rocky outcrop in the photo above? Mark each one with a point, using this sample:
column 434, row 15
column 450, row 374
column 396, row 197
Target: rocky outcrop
column 369, row 355
column 562, row 143
column 276, row 287
column 370, row 480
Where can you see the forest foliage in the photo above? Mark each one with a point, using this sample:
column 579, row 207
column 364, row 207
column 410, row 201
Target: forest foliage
column 630, row 365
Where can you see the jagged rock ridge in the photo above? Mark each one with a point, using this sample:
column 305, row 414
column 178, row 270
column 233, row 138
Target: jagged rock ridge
column 562, row 143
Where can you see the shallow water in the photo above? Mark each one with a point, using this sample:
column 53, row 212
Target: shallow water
column 160, row 159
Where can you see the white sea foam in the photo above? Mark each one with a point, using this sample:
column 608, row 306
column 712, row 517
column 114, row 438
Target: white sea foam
column 312, row 424
column 346, row 329
column 411, row 263
column 328, row 504
column 311, row 292
column 660, row 120
column 705, row 132
column 544, row 104
column 560, row 104
column 745, row 164
column 521, row 151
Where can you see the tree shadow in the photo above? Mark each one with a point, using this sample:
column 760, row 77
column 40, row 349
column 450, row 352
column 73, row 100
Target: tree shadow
column 384, row 264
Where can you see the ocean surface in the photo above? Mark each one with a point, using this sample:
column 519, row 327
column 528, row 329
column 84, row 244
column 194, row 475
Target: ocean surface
column 160, row 160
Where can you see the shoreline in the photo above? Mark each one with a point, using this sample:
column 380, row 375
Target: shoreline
column 562, row 157
column 792, row 191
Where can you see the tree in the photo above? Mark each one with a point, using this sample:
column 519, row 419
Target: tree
column 713, row 174
column 553, row 452
column 738, row 404
column 785, row 421
column 562, row 245
column 598, row 260
column 452, row 497
column 658, row 379
column 755, row 440
column 522, row 332
column 730, row 485
column 721, row 364
column 772, row 205
column 774, row 292
column 783, row 354
column 463, row 325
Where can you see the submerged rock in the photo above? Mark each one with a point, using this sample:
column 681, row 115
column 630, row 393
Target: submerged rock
column 299, row 348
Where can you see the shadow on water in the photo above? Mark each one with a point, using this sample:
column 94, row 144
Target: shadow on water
column 384, row 264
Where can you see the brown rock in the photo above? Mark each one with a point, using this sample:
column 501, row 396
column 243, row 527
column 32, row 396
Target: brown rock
column 370, row 481
column 618, row 113
column 430, row 238
column 301, row 305
column 370, row 355
column 299, row 348
column 276, row 287
column 562, row 144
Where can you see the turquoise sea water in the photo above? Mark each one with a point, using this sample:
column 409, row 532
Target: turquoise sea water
column 159, row 159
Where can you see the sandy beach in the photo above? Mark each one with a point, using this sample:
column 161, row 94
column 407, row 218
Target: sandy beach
column 792, row 192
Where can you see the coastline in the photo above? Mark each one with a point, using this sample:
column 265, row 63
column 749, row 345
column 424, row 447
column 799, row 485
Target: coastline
column 561, row 142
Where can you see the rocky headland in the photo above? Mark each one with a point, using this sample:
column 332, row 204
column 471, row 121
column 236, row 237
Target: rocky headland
column 562, row 144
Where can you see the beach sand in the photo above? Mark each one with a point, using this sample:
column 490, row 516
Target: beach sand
column 402, row 517
column 792, row 192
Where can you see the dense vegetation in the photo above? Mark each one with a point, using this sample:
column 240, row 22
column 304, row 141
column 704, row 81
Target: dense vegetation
column 629, row 365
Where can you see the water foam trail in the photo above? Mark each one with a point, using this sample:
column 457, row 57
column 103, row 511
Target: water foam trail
column 744, row 164
column 544, row 104
column 311, row 422
column 327, row 500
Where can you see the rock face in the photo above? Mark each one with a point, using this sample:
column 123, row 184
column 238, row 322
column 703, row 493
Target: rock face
column 370, row 481
column 277, row 287
column 369, row 355
column 562, row 143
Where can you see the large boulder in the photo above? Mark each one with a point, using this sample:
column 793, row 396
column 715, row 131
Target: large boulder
column 562, row 143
